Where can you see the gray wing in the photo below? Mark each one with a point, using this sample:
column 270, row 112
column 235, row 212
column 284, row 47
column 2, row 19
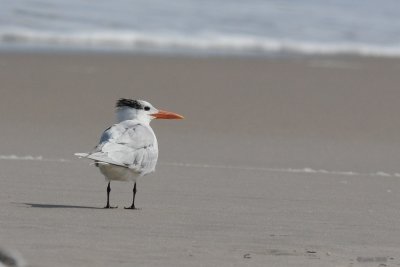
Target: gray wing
column 128, row 145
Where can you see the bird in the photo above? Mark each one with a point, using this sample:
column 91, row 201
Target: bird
column 128, row 149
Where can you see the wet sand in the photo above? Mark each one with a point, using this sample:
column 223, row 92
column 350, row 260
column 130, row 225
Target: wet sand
column 279, row 162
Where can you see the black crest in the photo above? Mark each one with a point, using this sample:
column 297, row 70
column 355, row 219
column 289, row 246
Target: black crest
column 124, row 102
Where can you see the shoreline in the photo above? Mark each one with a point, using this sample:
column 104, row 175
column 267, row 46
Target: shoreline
column 82, row 51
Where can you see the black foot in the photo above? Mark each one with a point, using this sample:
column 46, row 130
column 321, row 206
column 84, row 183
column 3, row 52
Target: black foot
column 110, row 207
column 131, row 208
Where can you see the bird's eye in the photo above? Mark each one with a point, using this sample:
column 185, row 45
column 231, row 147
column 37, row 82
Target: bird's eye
column 147, row 108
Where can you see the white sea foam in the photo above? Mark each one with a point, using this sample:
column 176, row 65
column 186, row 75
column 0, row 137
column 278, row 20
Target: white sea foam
column 204, row 43
column 216, row 166
column 229, row 44
column 282, row 170
column 31, row 158
column 15, row 157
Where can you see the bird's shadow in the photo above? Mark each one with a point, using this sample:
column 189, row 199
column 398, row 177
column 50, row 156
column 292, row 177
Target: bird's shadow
column 56, row 206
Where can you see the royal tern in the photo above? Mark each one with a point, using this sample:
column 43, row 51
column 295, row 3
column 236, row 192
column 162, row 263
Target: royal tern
column 128, row 149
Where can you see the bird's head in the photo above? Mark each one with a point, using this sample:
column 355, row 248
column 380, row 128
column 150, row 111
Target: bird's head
column 129, row 109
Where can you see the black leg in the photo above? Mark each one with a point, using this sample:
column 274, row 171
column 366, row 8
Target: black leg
column 132, row 207
column 108, row 197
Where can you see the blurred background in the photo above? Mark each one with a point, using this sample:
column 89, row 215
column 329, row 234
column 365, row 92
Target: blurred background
column 255, row 27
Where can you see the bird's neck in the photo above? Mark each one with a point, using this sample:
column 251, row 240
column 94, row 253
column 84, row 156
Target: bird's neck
column 124, row 114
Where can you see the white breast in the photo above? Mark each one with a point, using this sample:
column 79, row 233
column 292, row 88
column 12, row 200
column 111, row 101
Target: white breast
column 117, row 173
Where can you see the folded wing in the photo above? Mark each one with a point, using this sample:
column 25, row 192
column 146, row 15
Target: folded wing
column 130, row 145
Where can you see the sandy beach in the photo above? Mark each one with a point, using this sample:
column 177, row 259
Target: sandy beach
column 279, row 162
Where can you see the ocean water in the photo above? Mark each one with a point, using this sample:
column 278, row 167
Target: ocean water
column 257, row 27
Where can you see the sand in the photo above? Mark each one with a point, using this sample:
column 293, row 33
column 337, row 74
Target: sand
column 279, row 162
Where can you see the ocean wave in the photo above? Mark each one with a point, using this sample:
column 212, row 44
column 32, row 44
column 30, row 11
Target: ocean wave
column 205, row 43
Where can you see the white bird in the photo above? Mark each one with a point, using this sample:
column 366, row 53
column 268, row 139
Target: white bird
column 128, row 149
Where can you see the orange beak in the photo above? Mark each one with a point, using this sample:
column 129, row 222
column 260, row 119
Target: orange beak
column 161, row 114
